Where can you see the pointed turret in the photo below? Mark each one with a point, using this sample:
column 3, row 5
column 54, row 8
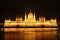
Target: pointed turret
column 25, row 17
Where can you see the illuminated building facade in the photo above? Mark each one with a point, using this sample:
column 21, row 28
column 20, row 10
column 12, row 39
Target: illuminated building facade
column 30, row 20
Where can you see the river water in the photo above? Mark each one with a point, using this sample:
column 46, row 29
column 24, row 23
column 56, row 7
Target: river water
column 30, row 34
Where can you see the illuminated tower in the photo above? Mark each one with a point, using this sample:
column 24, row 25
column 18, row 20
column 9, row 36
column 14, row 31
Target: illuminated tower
column 7, row 22
column 34, row 17
column 25, row 17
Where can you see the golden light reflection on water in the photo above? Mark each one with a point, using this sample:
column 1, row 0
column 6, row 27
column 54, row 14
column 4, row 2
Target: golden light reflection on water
column 29, row 29
column 30, row 33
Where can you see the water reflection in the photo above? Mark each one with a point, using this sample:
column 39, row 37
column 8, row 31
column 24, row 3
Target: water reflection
column 30, row 33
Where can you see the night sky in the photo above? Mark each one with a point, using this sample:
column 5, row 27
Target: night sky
column 13, row 8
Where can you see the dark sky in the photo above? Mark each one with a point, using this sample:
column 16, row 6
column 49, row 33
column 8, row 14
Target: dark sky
column 46, row 8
